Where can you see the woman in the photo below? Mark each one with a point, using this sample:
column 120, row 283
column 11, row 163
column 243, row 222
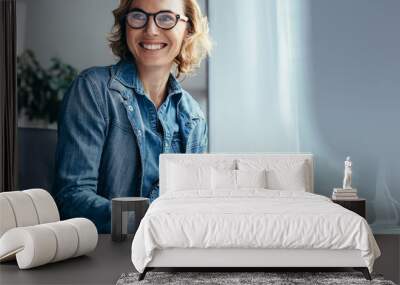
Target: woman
column 115, row 121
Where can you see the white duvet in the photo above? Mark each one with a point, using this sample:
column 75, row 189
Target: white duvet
column 250, row 218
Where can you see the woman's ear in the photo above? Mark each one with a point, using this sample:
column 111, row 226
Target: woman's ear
column 188, row 33
column 189, row 30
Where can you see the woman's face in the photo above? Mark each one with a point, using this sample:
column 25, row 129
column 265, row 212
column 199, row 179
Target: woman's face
column 152, row 46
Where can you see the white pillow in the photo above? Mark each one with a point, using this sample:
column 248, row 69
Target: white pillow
column 185, row 177
column 282, row 174
column 294, row 178
column 251, row 178
column 223, row 178
column 236, row 179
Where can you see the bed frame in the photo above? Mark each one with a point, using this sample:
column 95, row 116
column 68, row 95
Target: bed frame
column 244, row 259
column 250, row 258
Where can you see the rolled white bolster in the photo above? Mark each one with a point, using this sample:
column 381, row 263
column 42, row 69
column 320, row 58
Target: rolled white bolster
column 7, row 220
column 40, row 244
column 23, row 208
column 33, row 246
column 45, row 206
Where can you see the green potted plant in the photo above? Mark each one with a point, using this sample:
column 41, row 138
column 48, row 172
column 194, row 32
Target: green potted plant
column 41, row 90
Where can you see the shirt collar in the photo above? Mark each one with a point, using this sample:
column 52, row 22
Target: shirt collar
column 127, row 74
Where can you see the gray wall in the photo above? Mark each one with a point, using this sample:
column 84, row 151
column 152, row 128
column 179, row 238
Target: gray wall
column 73, row 30
column 355, row 99
column 324, row 79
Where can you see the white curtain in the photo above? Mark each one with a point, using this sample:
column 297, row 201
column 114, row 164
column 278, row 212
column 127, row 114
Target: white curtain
column 288, row 76
column 257, row 74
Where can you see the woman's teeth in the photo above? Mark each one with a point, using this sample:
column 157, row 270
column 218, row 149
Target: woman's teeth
column 153, row 46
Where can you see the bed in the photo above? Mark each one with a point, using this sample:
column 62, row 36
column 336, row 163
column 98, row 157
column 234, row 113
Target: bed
column 247, row 210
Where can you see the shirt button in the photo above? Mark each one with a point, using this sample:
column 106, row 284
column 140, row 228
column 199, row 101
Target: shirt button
column 166, row 144
column 139, row 132
column 130, row 108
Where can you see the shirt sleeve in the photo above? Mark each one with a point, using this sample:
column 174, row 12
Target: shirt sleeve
column 81, row 135
column 154, row 193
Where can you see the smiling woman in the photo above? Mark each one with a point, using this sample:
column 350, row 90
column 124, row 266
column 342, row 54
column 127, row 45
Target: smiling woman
column 191, row 39
column 116, row 120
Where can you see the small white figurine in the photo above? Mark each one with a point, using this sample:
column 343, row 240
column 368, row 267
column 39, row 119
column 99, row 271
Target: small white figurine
column 347, row 174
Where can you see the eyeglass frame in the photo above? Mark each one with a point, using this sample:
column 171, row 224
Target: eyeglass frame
column 177, row 18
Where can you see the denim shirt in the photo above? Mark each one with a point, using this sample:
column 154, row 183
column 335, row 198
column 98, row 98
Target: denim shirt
column 102, row 147
column 153, row 121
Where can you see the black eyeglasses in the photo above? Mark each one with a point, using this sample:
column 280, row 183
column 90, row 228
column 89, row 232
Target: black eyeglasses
column 137, row 19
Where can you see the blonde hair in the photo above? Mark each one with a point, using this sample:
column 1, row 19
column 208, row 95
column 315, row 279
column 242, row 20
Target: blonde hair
column 195, row 47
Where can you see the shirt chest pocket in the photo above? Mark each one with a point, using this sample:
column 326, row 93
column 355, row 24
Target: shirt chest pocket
column 176, row 143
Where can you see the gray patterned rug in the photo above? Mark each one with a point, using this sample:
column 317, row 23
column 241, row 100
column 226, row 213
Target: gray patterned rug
column 230, row 278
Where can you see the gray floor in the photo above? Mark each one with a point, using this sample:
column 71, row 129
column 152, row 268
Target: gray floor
column 388, row 263
column 103, row 266
column 110, row 259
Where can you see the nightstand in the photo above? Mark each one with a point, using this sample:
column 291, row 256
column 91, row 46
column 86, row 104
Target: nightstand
column 357, row 205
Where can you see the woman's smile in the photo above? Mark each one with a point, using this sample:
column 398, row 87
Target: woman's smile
column 152, row 47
